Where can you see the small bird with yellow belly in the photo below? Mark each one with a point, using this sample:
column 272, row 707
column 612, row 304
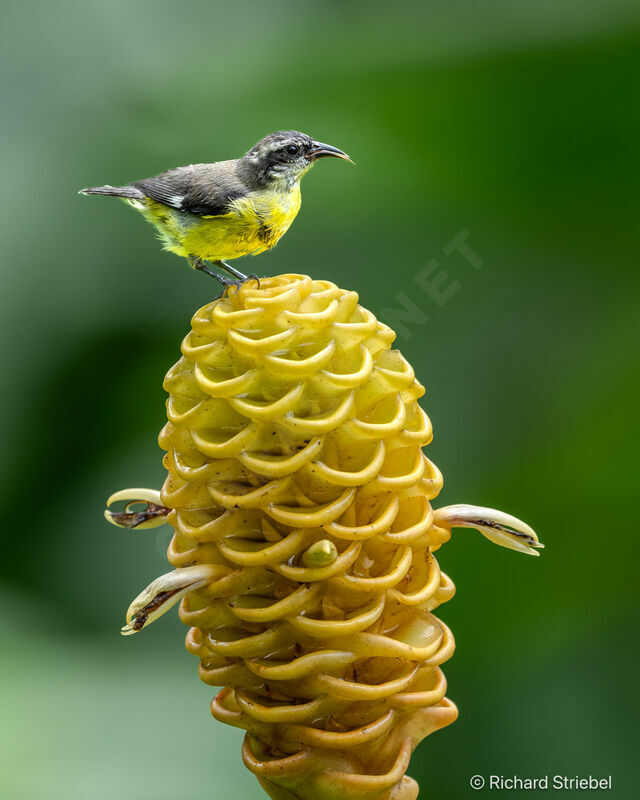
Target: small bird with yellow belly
column 228, row 209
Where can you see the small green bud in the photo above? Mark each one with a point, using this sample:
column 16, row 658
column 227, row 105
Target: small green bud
column 320, row 554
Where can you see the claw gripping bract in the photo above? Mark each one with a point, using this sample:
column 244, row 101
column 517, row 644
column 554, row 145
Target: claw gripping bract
column 304, row 538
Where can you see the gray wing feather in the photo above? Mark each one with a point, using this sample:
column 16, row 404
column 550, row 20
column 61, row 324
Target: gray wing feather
column 202, row 189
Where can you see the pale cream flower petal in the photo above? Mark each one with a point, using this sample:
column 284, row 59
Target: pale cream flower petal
column 151, row 515
column 164, row 592
column 127, row 495
column 498, row 527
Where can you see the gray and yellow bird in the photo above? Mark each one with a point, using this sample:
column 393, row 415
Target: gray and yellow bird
column 228, row 209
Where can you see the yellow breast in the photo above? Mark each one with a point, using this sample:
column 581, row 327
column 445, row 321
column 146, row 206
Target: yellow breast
column 254, row 224
column 271, row 213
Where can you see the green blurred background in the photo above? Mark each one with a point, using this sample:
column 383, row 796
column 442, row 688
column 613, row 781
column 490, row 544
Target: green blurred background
column 515, row 121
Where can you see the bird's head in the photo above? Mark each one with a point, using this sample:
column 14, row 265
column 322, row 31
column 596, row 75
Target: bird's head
column 284, row 157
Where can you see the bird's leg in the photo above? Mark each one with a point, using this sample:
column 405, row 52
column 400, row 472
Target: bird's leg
column 241, row 278
column 227, row 283
column 199, row 264
column 231, row 270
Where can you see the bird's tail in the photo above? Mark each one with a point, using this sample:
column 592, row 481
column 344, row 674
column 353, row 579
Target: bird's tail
column 128, row 192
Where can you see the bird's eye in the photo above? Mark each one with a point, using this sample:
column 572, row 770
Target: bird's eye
column 292, row 149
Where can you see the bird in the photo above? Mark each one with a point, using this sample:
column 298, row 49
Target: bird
column 227, row 209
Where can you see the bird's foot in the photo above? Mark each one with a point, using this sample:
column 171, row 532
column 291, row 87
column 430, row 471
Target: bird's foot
column 240, row 278
column 228, row 283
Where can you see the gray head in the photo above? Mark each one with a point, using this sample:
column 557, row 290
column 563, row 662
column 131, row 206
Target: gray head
column 283, row 158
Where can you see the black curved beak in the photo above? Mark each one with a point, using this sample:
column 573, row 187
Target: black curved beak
column 321, row 150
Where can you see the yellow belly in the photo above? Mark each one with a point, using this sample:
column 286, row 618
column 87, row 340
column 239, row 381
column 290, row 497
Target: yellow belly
column 254, row 224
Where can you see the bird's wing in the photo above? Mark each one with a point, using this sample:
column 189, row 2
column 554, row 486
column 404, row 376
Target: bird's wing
column 203, row 189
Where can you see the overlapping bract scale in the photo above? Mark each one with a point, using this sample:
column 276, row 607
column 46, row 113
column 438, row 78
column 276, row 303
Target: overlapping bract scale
column 295, row 467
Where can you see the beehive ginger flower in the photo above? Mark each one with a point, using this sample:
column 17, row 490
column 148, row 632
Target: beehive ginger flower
column 304, row 538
